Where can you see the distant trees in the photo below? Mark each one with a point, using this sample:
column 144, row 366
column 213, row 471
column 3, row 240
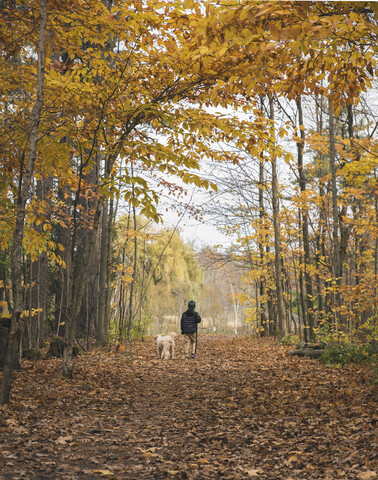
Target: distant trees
column 220, row 298
column 154, row 275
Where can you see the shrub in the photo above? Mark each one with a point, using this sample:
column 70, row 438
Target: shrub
column 343, row 354
column 289, row 339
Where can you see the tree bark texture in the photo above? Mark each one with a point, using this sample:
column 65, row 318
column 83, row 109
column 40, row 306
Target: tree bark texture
column 78, row 289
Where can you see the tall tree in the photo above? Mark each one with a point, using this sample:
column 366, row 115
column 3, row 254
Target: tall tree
column 277, row 228
column 309, row 311
column 335, row 210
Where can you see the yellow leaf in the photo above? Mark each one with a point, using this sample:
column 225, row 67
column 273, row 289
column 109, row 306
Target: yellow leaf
column 71, row 54
column 203, row 460
column 222, row 51
column 188, row 4
column 244, row 13
column 296, row 46
column 274, row 31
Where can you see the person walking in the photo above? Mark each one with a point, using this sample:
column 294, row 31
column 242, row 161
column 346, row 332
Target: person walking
column 189, row 321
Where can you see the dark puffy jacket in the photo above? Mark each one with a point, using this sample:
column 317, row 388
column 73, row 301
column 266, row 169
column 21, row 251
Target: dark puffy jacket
column 189, row 321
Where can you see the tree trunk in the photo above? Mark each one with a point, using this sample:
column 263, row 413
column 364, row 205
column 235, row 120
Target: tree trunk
column 376, row 248
column 78, row 284
column 305, row 233
column 262, row 281
column 3, row 279
column 277, row 233
column 100, row 329
column 298, row 301
column 61, row 281
column 130, row 314
column 38, row 285
column 335, row 212
column 22, row 196
column 83, row 249
column 109, row 267
column 320, row 235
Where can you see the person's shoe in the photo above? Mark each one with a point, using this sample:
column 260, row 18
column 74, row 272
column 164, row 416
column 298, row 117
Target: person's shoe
column 187, row 358
column 193, row 355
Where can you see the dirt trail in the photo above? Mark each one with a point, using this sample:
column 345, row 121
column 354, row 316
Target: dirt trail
column 241, row 410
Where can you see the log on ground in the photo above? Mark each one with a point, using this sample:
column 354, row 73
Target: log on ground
column 306, row 352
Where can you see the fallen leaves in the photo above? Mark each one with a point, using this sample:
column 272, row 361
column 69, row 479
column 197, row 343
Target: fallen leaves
column 253, row 472
column 242, row 410
column 103, row 473
column 64, row 440
column 367, row 475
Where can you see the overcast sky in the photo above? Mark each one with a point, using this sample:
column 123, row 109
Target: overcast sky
column 201, row 233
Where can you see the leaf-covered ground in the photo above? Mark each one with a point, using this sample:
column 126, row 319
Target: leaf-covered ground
column 241, row 410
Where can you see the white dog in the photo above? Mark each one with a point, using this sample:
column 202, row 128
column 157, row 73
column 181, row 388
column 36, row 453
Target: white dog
column 165, row 345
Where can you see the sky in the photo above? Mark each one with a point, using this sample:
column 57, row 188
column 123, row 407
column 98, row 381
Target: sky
column 200, row 233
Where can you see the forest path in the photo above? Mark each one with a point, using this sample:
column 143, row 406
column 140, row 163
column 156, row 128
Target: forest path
column 241, row 410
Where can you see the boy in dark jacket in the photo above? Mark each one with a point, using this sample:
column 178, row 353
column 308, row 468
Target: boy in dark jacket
column 189, row 321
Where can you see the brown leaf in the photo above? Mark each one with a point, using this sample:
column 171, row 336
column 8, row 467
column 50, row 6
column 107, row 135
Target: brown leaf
column 64, row 440
column 367, row 475
column 254, row 472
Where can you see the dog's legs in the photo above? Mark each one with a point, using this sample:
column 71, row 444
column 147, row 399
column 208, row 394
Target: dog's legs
column 172, row 351
column 163, row 351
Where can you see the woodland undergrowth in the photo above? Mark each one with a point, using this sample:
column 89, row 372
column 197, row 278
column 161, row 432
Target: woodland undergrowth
column 241, row 410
